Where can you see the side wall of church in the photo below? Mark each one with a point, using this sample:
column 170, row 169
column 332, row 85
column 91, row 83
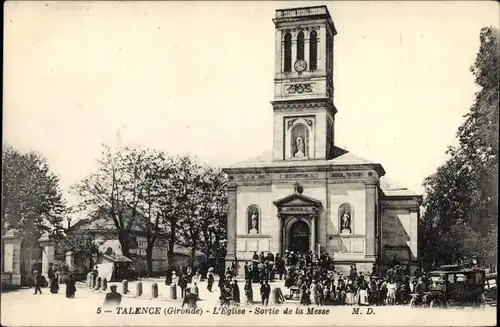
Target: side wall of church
column 399, row 236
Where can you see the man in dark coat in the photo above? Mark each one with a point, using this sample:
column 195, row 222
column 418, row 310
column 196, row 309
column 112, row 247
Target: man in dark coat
column 182, row 284
column 210, row 280
column 168, row 277
column 265, row 290
column 38, row 282
column 236, row 291
column 112, row 298
column 247, row 270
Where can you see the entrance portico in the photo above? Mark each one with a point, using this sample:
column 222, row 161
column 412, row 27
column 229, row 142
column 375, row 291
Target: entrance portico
column 298, row 215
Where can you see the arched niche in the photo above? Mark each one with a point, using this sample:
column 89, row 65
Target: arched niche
column 299, row 138
column 346, row 216
column 253, row 220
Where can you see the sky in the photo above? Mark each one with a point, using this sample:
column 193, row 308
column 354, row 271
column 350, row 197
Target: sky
column 197, row 78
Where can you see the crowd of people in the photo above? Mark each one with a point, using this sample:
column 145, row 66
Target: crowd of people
column 312, row 279
column 54, row 278
column 309, row 278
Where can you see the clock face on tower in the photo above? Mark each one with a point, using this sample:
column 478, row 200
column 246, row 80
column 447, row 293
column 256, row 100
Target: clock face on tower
column 300, row 66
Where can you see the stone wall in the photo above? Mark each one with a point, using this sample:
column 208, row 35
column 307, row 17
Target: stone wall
column 399, row 232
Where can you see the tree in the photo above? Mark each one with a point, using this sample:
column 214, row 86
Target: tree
column 83, row 245
column 461, row 205
column 113, row 190
column 32, row 200
column 161, row 195
column 214, row 208
column 203, row 219
column 148, row 168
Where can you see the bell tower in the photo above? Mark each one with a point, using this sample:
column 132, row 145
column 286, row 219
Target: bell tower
column 304, row 112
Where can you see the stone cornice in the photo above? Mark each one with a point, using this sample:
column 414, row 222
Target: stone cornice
column 253, row 236
column 323, row 167
column 395, row 203
column 305, row 104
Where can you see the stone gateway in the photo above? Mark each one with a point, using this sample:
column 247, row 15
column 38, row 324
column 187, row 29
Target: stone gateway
column 307, row 194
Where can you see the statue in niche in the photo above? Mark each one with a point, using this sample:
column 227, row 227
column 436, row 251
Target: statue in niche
column 299, row 142
column 345, row 219
column 253, row 222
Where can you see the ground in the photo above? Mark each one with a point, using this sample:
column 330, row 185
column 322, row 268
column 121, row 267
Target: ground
column 21, row 307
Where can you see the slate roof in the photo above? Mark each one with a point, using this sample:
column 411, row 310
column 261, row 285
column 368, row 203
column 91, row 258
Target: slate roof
column 101, row 221
column 391, row 188
column 117, row 257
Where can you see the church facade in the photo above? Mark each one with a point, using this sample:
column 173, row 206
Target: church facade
column 308, row 194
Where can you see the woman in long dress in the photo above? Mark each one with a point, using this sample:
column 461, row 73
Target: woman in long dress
column 235, row 292
column 249, row 292
column 70, row 287
column 54, row 285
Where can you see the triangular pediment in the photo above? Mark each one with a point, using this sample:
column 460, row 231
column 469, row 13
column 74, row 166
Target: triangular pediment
column 297, row 200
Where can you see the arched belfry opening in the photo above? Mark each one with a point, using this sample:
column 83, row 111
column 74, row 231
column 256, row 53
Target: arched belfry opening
column 300, row 45
column 313, row 51
column 287, row 52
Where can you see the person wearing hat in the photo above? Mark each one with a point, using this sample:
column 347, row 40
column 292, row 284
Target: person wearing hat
column 190, row 299
column 38, row 282
column 70, row 286
column 112, row 298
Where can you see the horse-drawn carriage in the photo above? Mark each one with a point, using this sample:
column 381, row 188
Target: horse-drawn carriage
column 490, row 286
column 453, row 285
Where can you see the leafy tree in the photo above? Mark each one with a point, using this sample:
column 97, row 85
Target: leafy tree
column 114, row 191
column 166, row 196
column 84, row 246
column 203, row 221
column 461, row 205
column 31, row 197
column 148, row 167
column 214, row 208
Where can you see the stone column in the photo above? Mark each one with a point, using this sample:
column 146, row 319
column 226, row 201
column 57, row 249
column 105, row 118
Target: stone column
column 281, row 231
column 279, row 58
column 70, row 260
column 321, row 46
column 231, row 225
column 370, row 220
column 306, row 49
column 12, row 255
column 414, row 217
column 48, row 253
column 313, row 233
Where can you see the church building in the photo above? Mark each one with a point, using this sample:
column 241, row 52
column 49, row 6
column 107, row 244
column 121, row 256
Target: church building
column 307, row 194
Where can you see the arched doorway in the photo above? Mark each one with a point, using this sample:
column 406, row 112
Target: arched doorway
column 299, row 237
